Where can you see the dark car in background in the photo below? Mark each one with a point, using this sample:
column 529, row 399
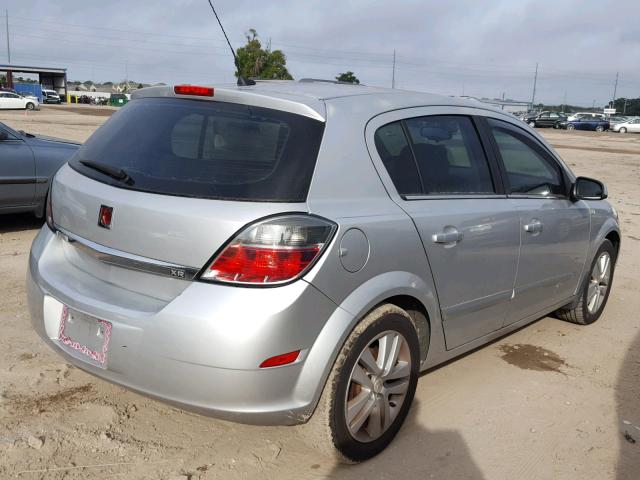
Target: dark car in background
column 593, row 123
column 27, row 164
column 545, row 119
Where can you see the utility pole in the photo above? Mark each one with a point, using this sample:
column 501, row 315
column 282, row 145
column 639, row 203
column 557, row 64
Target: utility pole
column 393, row 73
column 624, row 109
column 535, row 81
column 564, row 101
column 8, row 44
column 615, row 90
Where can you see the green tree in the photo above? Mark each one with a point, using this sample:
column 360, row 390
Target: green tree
column 632, row 106
column 259, row 62
column 348, row 77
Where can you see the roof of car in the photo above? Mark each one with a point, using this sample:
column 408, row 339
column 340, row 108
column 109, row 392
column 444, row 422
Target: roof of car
column 309, row 97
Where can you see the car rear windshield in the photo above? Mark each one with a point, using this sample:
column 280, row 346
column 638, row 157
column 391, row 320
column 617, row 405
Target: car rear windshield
column 205, row 149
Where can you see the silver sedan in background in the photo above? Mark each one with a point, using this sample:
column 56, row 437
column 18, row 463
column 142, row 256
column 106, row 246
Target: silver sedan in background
column 294, row 252
column 630, row 126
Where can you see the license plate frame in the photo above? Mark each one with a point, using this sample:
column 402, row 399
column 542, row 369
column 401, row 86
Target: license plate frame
column 75, row 332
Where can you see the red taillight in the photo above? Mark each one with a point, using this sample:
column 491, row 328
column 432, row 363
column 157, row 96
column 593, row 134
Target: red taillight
column 193, row 90
column 279, row 360
column 273, row 251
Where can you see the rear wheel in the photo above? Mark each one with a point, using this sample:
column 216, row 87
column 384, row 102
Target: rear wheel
column 595, row 292
column 30, row 106
column 570, row 126
column 599, row 128
column 532, row 124
column 622, row 130
column 370, row 388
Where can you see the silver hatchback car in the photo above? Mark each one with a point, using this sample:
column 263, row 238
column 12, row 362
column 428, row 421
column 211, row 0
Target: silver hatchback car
column 295, row 252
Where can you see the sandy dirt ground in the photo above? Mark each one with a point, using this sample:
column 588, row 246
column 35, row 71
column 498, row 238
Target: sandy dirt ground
column 551, row 401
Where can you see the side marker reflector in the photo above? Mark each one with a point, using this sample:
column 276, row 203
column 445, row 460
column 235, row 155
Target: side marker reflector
column 279, row 360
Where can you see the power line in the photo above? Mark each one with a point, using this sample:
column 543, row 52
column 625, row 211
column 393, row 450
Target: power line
column 373, row 58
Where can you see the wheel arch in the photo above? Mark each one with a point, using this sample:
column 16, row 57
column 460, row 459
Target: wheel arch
column 402, row 289
column 420, row 316
column 609, row 230
column 614, row 237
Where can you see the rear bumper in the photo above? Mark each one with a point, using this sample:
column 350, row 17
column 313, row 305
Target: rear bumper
column 199, row 350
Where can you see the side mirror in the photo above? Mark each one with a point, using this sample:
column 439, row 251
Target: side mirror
column 586, row 188
column 3, row 136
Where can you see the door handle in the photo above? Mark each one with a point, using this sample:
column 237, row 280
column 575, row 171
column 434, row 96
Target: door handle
column 535, row 226
column 450, row 236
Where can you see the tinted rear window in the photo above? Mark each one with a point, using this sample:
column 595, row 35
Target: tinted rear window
column 207, row 149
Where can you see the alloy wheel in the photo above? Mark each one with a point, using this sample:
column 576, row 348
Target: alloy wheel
column 378, row 386
column 599, row 282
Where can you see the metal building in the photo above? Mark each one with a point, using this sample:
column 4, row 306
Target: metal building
column 48, row 78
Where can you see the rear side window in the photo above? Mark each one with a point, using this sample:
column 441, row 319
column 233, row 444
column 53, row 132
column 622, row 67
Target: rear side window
column 207, row 149
column 529, row 169
column 395, row 152
column 449, row 155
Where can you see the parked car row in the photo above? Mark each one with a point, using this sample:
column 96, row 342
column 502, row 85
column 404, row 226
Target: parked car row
column 597, row 122
column 13, row 100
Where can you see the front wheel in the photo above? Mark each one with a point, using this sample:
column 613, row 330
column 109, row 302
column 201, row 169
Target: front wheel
column 622, row 130
column 370, row 388
column 30, row 106
column 532, row 124
column 571, row 127
column 599, row 128
column 595, row 292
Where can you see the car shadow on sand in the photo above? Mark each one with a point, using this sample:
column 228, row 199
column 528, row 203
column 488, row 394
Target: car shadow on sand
column 628, row 405
column 18, row 222
column 417, row 453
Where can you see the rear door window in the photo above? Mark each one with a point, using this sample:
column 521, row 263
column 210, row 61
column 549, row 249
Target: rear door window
column 207, row 149
column 449, row 155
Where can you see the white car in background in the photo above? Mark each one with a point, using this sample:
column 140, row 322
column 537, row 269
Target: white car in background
column 631, row 126
column 13, row 101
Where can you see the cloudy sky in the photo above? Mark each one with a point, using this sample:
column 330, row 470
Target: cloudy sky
column 480, row 48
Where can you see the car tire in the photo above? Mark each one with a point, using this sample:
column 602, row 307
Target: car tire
column 622, row 130
column 532, row 124
column 600, row 128
column 30, row 106
column 329, row 429
column 556, row 125
column 571, row 126
column 595, row 291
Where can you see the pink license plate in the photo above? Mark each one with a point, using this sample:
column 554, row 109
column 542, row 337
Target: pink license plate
column 85, row 337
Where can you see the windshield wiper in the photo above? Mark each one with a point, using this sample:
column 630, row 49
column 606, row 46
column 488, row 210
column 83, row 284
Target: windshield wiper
column 113, row 172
